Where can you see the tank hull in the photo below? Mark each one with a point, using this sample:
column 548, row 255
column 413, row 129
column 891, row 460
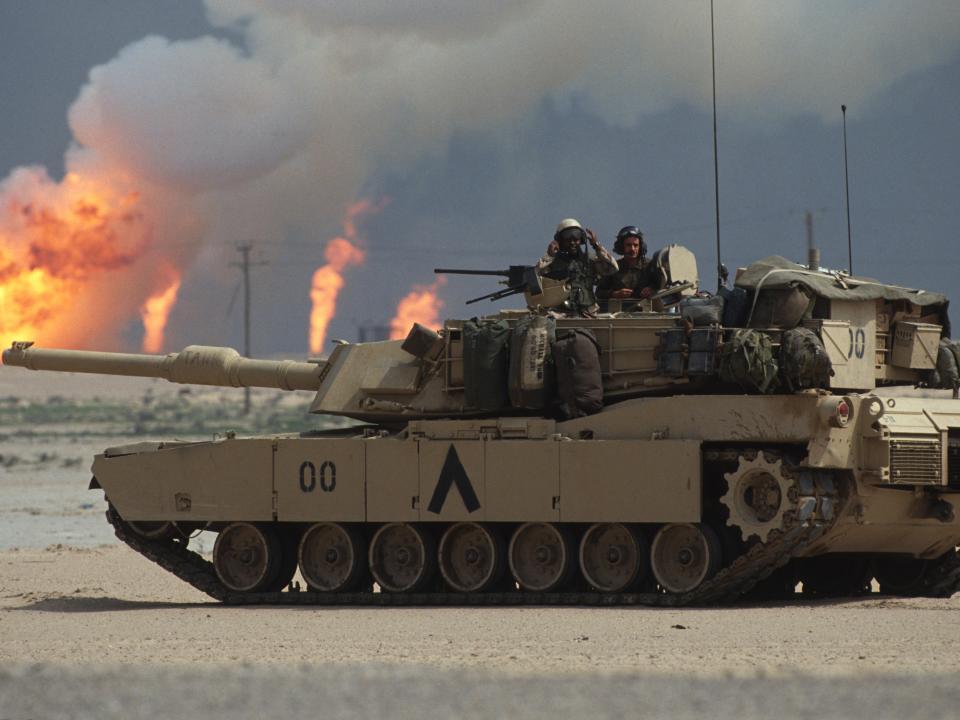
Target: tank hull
column 646, row 467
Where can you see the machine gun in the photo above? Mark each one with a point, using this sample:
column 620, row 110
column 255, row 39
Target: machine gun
column 519, row 279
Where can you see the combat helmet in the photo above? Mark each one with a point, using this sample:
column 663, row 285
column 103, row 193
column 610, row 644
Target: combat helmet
column 630, row 231
column 569, row 224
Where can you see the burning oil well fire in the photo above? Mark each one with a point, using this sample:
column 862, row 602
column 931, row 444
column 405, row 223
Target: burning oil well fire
column 340, row 252
column 69, row 251
column 421, row 305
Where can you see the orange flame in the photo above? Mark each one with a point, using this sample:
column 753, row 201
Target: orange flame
column 155, row 312
column 422, row 305
column 56, row 240
column 340, row 253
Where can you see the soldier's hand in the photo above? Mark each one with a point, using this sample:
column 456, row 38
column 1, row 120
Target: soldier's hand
column 646, row 292
column 622, row 293
column 592, row 238
column 553, row 248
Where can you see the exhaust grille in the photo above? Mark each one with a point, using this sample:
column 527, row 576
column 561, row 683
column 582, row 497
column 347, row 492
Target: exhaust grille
column 916, row 461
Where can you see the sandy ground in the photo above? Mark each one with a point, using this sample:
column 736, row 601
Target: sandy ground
column 109, row 605
column 105, row 618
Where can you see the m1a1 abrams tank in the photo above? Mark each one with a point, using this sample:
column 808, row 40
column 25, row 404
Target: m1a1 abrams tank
column 695, row 454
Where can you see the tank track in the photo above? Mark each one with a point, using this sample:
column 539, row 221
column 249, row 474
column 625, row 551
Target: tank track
column 729, row 584
column 942, row 579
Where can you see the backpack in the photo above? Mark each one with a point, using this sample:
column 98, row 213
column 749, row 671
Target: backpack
column 736, row 306
column 702, row 311
column 947, row 372
column 804, row 362
column 576, row 354
column 531, row 362
column 746, row 359
column 485, row 363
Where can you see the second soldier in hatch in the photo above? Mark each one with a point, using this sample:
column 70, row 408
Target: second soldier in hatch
column 568, row 258
column 635, row 279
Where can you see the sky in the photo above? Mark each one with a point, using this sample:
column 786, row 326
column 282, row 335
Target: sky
column 469, row 130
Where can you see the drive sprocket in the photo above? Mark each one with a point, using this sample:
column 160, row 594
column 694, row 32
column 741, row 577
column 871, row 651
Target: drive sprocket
column 758, row 495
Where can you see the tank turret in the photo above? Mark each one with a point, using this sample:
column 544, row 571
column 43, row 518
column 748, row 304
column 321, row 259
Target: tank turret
column 782, row 328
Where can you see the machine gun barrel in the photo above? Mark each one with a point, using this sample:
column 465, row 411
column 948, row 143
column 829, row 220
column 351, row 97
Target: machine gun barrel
column 498, row 295
column 455, row 271
column 194, row 365
column 520, row 278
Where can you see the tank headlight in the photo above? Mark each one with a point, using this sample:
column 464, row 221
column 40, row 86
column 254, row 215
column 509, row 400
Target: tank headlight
column 843, row 413
column 837, row 411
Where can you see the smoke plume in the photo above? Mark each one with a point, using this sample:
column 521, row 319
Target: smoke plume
column 185, row 147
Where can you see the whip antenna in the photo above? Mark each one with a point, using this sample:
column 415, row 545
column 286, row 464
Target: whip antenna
column 716, row 171
column 846, row 180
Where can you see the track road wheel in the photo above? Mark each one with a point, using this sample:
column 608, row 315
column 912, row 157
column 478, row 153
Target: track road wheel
column 684, row 555
column 613, row 557
column 332, row 557
column 402, row 557
column 471, row 557
column 540, row 556
column 247, row 556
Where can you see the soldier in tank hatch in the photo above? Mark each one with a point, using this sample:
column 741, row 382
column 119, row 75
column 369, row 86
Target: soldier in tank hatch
column 568, row 257
column 636, row 278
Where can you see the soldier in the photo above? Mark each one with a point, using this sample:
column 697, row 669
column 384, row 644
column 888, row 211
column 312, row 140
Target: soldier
column 567, row 258
column 636, row 278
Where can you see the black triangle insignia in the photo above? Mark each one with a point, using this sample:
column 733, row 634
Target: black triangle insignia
column 453, row 473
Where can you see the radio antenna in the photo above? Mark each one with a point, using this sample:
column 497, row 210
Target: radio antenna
column 716, row 171
column 846, row 180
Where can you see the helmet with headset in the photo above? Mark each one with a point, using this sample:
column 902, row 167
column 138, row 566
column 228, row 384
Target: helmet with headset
column 629, row 231
column 570, row 226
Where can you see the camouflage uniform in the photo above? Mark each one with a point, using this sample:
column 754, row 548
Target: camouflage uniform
column 635, row 278
column 582, row 273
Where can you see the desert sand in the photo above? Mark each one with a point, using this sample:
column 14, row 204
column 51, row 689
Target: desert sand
column 100, row 632
column 108, row 605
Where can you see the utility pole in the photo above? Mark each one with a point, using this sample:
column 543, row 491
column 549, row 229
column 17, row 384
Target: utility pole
column 244, row 266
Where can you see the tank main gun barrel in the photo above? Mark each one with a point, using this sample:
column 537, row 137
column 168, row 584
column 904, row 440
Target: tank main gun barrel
column 194, row 365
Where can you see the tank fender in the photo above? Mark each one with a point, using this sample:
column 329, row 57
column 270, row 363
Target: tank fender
column 221, row 480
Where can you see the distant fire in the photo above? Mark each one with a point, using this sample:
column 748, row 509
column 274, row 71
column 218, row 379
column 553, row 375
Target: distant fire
column 422, row 305
column 340, row 253
column 155, row 312
column 56, row 241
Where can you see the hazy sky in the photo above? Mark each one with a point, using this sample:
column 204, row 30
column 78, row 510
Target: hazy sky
column 482, row 125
